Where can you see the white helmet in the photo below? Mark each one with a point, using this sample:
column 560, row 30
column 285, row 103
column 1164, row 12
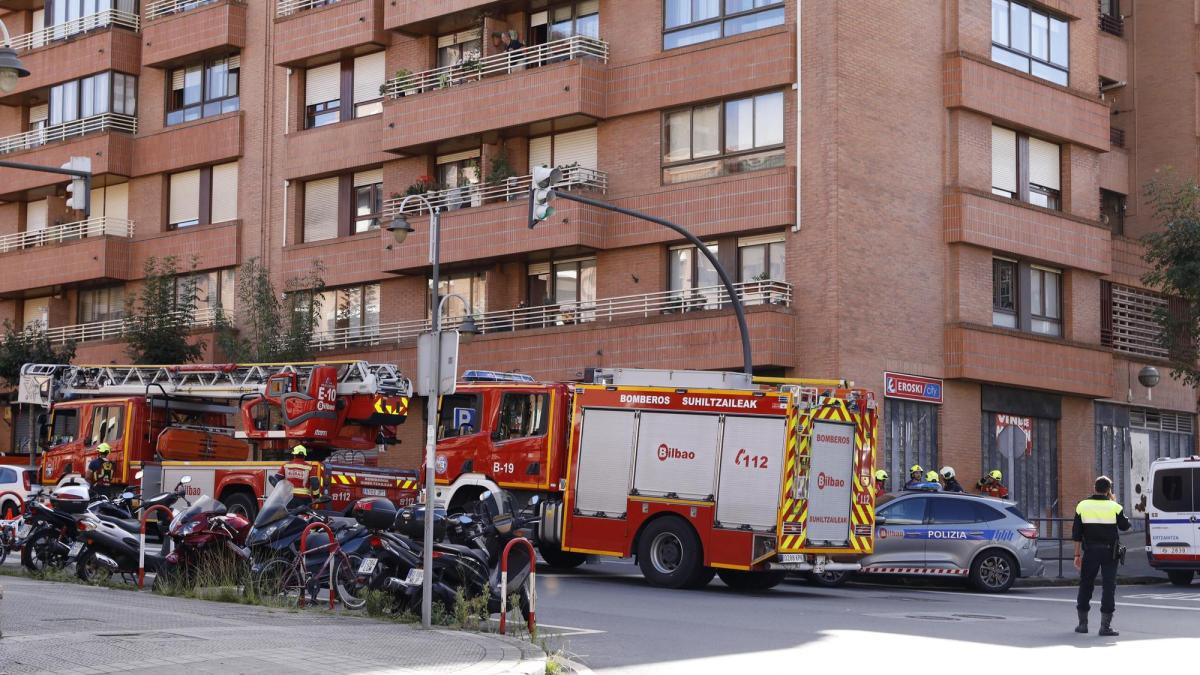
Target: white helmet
column 948, row 472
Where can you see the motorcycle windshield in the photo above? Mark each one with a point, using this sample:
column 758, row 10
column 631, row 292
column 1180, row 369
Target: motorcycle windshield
column 201, row 505
column 275, row 507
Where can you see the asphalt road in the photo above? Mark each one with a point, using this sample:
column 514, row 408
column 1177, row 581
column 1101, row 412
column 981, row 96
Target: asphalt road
column 606, row 617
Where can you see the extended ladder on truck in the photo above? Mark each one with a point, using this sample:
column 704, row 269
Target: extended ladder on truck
column 43, row 384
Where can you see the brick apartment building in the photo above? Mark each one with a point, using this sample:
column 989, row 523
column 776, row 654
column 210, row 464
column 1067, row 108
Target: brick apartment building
column 950, row 147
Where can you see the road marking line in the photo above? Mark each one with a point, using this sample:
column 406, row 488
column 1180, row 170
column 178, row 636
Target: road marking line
column 1070, row 600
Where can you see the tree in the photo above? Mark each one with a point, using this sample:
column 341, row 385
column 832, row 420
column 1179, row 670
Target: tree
column 1174, row 257
column 158, row 326
column 29, row 345
column 268, row 327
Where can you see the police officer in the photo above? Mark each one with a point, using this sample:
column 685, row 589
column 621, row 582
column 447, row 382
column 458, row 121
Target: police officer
column 1097, row 541
column 305, row 476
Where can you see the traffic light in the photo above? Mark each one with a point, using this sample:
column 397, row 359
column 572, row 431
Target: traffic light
column 78, row 195
column 544, row 178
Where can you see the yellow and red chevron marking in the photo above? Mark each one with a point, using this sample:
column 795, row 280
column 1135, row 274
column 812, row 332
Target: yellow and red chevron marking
column 343, row 479
column 408, row 484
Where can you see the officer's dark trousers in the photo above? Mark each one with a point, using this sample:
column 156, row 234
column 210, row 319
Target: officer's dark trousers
column 1098, row 559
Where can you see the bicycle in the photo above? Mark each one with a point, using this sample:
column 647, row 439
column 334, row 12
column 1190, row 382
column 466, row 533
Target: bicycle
column 290, row 581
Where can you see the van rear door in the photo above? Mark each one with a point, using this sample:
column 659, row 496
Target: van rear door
column 1174, row 517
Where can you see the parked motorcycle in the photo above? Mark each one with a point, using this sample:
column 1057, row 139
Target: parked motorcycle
column 52, row 526
column 106, row 545
column 205, row 539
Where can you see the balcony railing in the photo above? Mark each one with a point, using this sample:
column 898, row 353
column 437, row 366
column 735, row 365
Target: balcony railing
column 510, row 189
column 290, row 7
column 158, row 8
column 106, row 330
column 1116, row 137
column 574, row 47
column 109, row 17
column 1113, row 25
column 59, row 132
column 572, row 313
column 56, row 234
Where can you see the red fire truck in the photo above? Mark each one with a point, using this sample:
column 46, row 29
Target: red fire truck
column 695, row 473
column 229, row 426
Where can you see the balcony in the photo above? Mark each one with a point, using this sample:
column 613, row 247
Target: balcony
column 423, row 16
column 208, row 140
column 310, row 28
column 107, row 139
column 107, row 330
column 987, row 354
column 88, row 250
column 334, row 148
column 557, row 79
column 493, row 217
column 1113, row 25
column 61, row 132
column 179, row 29
column 76, row 49
column 47, row 36
column 637, row 308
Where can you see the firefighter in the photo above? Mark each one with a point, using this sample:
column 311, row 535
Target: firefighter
column 306, row 477
column 991, row 486
column 951, row 483
column 100, row 470
column 931, row 481
column 1096, row 533
column 914, row 477
column 881, row 479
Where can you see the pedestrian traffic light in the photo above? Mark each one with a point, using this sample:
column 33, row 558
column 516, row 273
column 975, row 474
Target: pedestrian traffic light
column 78, row 195
column 544, row 178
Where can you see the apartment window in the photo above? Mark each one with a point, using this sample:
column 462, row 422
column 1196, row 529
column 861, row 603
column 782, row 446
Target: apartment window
column 368, row 200
column 204, row 195
column 687, row 22
column 761, row 258
column 562, row 282
column 345, row 90
column 320, row 209
column 1112, row 211
column 722, row 138
column 570, row 148
column 204, row 89
column 39, row 116
column 460, row 169
column 693, row 279
column 214, row 290
column 1026, row 297
column 565, row 20
column 471, row 286
column 353, row 310
column 459, row 47
column 1025, row 168
column 107, row 92
column 101, row 304
column 35, row 313
column 1030, row 40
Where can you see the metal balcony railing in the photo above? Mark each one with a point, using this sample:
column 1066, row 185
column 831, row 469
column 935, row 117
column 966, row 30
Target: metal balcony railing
column 592, row 311
column 58, row 132
column 158, row 8
column 55, row 234
column 106, row 330
column 290, row 7
column 105, row 19
column 1113, row 25
column 567, row 49
column 1116, row 137
column 511, row 189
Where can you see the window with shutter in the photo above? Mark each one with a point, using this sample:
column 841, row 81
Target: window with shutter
column 368, row 200
column 368, row 81
column 1025, row 168
column 225, row 192
column 35, row 216
column 320, row 209
column 322, row 95
column 184, row 207
column 576, row 147
column 1004, row 162
column 1043, row 164
column 116, row 201
column 540, row 151
column 36, row 312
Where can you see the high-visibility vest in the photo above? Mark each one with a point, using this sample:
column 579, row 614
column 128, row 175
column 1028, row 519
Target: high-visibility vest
column 298, row 473
column 1098, row 511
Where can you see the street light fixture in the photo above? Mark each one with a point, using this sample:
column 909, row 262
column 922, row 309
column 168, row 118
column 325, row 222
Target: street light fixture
column 10, row 66
column 399, row 228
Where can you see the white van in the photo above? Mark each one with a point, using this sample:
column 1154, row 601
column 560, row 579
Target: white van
column 1173, row 518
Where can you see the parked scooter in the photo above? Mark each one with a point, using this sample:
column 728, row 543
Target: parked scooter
column 205, row 538
column 48, row 544
column 106, row 545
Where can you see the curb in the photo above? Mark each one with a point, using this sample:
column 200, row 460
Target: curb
column 1037, row 582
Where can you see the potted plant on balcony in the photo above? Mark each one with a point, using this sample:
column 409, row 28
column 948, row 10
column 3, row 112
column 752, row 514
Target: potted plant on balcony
column 500, row 172
column 404, row 86
column 424, row 184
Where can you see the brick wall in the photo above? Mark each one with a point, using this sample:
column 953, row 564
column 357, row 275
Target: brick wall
column 996, row 355
column 315, row 33
column 177, row 37
column 211, row 140
column 109, row 49
column 336, row 148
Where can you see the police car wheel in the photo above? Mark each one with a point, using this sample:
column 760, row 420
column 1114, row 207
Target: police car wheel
column 993, row 572
column 1181, row 577
column 670, row 554
column 828, row 579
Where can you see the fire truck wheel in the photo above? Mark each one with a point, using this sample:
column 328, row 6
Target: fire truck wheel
column 703, row 576
column 751, row 581
column 559, row 559
column 241, row 504
column 670, row 554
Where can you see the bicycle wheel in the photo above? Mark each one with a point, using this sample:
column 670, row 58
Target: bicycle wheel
column 279, row 583
column 345, row 580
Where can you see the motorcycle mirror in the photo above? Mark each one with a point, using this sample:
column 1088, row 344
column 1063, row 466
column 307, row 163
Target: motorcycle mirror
column 185, row 480
column 126, row 495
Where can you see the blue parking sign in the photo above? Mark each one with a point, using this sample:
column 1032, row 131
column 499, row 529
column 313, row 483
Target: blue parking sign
column 464, row 417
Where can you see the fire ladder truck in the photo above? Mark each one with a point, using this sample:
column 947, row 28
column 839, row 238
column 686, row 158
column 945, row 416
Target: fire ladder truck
column 227, row 425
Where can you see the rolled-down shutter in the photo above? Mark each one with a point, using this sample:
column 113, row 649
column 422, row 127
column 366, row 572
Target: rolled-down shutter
column 35, row 216
column 1004, row 159
column 185, row 197
column 576, row 147
column 322, row 84
column 1044, row 164
column 39, row 113
column 116, row 201
column 539, row 152
column 368, row 77
column 368, row 177
column 225, row 192
column 320, row 209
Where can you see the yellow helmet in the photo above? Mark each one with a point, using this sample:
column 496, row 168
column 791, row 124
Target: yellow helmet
column 932, row 477
column 995, row 474
column 881, row 475
column 104, row 448
column 915, row 468
column 299, row 451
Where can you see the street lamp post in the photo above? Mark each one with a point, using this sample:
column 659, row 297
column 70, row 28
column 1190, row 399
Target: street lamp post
column 10, row 66
column 400, row 229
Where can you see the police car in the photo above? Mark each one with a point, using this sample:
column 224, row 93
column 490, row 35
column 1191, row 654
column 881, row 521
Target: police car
column 982, row 540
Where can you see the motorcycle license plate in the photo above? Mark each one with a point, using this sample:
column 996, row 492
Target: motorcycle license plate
column 415, row 576
column 76, row 547
column 374, row 492
column 367, row 566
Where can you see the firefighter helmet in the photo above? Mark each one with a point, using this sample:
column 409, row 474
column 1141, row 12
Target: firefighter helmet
column 299, row 451
column 915, row 468
column 931, row 477
column 881, row 475
column 104, row 448
column 948, row 472
column 995, row 474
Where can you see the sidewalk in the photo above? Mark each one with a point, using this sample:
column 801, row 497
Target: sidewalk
column 69, row 628
column 1136, row 570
